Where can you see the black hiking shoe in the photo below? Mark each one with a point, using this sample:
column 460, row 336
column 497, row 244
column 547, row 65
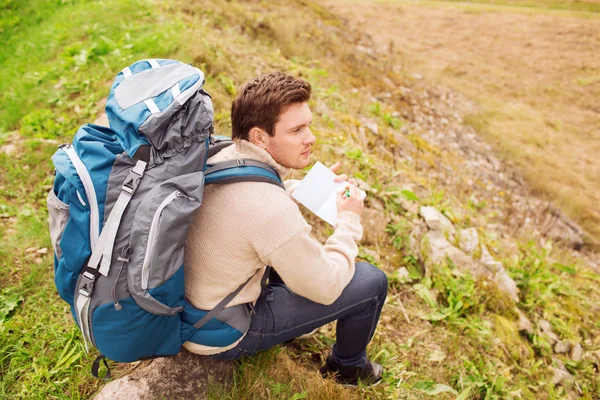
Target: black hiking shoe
column 349, row 376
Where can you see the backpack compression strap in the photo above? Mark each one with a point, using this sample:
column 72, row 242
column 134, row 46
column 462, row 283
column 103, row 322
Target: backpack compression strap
column 242, row 170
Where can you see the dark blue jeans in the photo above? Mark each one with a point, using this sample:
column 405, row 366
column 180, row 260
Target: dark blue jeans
column 282, row 315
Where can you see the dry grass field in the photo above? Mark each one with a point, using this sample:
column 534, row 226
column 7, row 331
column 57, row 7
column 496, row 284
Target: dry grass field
column 532, row 68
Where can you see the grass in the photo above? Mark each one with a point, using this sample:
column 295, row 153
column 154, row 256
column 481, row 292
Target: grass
column 534, row 103
column 461, row 339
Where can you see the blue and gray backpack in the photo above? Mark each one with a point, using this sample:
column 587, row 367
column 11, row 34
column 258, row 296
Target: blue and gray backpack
column 120, row 208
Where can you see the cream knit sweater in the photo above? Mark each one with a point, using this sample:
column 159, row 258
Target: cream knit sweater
column 242, row 227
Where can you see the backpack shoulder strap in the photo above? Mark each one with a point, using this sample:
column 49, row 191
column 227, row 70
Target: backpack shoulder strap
column 241, row 170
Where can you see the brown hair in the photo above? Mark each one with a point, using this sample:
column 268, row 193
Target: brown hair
column 260, row 102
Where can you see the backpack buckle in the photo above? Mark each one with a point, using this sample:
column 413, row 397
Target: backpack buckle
column 241, row 163
column 133, row 178
column 86, row 287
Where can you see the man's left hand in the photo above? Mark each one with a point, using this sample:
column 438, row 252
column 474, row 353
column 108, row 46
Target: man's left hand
column 343, row 177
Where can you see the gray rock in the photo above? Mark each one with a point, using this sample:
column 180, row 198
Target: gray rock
column 547, row 331
column 403, row 275
column 414, row 239
column 184, row 376
column 561, row 347
column 436, row 249
column 524, row 323
column 468, row 240
column 561, row 376
column 102, row 120
column 372, row 126
column 506, row 284
column 576, row 352
column 436, row 220
column 489, row 261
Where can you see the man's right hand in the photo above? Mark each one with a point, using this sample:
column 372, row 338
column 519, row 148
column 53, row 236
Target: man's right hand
column 353, row 203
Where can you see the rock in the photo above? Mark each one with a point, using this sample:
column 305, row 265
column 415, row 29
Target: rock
column 561, row 375
column 468, row 240
column 373, row 127
column 374, row 224
column 376, row 203
column 524, row 323
column 437, row 250
column 489, row 261
column 436, row 220
column 410, row 206
column 414, row 239
column 372, row 253
column 558, row 227
column 363, row 185
column 102, row 120
column 403, row 275
column 506, row 284
column 184, row 376
column 561, row 347
column 548, row 331
column 576, row 352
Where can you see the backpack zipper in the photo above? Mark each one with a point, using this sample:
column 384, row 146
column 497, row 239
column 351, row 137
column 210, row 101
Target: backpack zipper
column 152, row 235
column 90, row 192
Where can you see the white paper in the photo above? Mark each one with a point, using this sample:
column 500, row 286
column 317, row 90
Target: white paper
column 318, row 190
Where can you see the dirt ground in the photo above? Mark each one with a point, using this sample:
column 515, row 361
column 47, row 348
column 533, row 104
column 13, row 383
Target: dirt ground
column 533, row 72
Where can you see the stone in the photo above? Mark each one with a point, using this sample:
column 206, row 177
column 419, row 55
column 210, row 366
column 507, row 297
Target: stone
column 524, row 324
column 561, row 376
column 436, row 221
column 374, row 223
column 558, row 227
column 437, row 250
column 576, row 352
column 468, row 240
column 561, row 347
column 372, row 253
column 403, row 275
column 414, row 239
column 363, row 185
column 376, row 204
column 410, row 206
column 373, row 127
column 102, row 120
column 184, row 376
column 489, row 261
column 547, row 331
column 506, row 284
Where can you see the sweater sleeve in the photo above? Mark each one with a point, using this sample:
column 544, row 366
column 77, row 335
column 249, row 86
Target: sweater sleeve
column 312, row 270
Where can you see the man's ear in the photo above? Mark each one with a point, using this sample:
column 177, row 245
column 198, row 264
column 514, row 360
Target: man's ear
column 259, row 137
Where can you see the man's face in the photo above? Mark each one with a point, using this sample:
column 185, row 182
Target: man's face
column 292, row 142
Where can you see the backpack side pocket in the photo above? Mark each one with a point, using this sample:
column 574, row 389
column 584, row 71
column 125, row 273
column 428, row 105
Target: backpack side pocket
column 155, row 271
column 58, row 215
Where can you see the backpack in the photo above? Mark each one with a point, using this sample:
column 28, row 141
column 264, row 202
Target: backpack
column 120, row 208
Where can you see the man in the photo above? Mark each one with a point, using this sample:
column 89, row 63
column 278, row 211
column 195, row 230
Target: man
column 245, row 226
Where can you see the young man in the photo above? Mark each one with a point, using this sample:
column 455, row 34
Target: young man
column 243, row 227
